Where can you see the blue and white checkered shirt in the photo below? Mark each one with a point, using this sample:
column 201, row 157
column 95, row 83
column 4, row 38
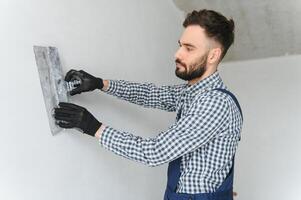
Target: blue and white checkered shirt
column 205, row 133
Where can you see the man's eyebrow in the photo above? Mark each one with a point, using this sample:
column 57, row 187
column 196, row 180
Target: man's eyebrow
column 186, row 44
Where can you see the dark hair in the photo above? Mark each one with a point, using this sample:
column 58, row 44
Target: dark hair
column 216, row 26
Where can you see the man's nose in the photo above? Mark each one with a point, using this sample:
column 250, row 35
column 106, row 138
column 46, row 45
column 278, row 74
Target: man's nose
column 178, row 54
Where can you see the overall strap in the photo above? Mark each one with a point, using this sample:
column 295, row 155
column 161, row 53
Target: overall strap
column 173, row 174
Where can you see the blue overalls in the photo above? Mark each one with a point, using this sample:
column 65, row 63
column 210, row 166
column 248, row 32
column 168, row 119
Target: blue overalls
column 224, row 192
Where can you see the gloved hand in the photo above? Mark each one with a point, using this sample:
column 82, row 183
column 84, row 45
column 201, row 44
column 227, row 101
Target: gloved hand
column 88, row 82
column 69, row 115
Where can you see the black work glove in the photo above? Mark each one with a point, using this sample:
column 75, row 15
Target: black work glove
column 88, row 82
column 69, row 115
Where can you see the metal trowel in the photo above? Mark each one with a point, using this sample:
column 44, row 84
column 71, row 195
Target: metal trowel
column 54, row 88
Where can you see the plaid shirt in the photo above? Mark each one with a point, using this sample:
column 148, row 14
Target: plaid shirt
column 205, row 133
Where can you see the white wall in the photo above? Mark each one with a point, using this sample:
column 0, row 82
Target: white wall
column 268, row 160
column 132, row 41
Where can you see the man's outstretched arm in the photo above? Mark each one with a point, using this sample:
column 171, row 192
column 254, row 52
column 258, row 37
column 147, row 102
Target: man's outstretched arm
column 145, row 94
column 189, row 133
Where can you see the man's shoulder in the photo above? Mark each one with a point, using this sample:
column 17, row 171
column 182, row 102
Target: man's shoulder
column 211, row 96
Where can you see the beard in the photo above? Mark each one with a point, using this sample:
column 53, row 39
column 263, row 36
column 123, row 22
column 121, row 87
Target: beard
column 198, row 68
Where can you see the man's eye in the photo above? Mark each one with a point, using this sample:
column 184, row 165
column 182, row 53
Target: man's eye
column 189, row 49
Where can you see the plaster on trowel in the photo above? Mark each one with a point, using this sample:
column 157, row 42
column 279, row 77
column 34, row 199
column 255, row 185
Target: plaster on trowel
column 54, row 88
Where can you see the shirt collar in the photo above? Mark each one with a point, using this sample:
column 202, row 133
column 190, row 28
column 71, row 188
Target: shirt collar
column 209, row 81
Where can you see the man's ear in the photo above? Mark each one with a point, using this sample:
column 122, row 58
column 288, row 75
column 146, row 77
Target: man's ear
column 214, row 55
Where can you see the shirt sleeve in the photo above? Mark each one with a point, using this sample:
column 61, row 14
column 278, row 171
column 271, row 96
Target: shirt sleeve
column 146, row 94
column 201, row 124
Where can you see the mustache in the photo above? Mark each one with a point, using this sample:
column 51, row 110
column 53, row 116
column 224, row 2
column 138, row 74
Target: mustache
column 178, row 61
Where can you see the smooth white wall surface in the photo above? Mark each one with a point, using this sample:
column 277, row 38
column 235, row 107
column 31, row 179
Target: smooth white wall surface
column 133, row 41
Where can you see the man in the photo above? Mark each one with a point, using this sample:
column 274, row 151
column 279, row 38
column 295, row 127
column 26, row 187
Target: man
column 200, row 146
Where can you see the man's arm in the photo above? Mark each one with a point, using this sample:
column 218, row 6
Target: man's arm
column 144, row 94
column 191, row 132
column 105, row 85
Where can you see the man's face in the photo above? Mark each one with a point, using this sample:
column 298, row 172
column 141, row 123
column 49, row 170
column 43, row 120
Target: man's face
column 191, row 57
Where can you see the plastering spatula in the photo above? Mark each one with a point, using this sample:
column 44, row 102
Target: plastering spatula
column 54, row 87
